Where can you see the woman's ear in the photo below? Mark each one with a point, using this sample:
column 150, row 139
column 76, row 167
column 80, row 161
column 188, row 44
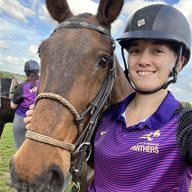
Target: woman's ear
column 182, row 60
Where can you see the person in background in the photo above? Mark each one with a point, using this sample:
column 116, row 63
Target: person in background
column 23, row 97
column 144, row 143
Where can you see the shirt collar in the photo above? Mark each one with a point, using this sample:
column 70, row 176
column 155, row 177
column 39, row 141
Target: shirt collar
column 157, row 119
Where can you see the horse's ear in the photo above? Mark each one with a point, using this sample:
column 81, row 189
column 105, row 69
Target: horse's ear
column 59, row 9
column 109, row 10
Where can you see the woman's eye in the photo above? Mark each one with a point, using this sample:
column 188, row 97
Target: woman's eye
column 104, row 61
column 157, row 51
column 133, row 51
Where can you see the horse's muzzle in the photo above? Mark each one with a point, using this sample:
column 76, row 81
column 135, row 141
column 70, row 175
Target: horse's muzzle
column 51, row 180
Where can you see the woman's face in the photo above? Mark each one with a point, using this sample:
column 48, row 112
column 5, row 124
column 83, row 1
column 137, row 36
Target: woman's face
column 150, row 63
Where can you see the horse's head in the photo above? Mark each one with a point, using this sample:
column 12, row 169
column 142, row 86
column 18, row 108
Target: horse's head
column 5, row 86
column 77, row 66
column 6, row 93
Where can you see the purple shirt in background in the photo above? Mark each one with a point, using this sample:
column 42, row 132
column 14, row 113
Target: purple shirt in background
column 24, row 97
column 143, row 157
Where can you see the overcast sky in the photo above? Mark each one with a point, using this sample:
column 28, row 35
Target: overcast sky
column 25, row 23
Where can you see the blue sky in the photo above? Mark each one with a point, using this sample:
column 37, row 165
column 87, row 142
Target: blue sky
column 25, row 23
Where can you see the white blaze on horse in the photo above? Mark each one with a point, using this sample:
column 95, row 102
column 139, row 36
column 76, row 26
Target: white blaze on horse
column 78, row 70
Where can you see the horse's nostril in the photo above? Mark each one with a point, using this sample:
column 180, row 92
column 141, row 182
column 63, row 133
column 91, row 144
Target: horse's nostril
column 56, row 180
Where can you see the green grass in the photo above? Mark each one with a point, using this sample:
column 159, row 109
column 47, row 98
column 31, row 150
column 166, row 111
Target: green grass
column 7, row 149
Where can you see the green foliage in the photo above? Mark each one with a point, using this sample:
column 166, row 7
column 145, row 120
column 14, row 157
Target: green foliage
column 186, row 104
column 8, row 74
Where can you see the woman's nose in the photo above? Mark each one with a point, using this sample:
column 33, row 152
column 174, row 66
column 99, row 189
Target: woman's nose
column 144, row 59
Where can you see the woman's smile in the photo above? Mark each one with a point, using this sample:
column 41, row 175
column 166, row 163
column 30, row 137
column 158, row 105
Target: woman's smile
column 145, row 73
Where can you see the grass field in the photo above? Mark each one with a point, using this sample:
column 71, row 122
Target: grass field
column 6, row 151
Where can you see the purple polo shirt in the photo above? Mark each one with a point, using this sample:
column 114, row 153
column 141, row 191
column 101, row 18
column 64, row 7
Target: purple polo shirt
column 143, row 157
column 24, row 96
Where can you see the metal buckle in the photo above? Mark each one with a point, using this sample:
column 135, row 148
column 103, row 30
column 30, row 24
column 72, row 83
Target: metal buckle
column 77, row 168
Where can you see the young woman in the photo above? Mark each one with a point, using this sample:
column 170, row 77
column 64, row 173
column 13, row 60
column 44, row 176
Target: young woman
column 144, row 143
column 24, row 96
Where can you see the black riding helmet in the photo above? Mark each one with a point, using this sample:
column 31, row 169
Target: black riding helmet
column 31, row 66
column 159, row 22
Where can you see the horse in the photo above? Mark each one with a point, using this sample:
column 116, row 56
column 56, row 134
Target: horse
column 6, row 113
column 80, row 78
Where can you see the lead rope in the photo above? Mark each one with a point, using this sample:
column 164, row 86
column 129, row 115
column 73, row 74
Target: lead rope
column 46, row 139
column 64, row 102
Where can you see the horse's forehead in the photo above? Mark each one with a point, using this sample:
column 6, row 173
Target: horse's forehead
column 78, row 39
column 80, row 48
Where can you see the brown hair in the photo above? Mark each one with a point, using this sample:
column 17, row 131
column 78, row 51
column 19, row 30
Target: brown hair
column 32, row 76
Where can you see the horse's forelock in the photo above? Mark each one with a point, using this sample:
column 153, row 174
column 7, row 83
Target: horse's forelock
column 84, row 15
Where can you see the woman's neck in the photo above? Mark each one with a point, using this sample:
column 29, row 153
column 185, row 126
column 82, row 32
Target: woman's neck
column 142, row 106
column 147, row 101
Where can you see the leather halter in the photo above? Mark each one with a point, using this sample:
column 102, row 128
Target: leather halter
column 79, row 149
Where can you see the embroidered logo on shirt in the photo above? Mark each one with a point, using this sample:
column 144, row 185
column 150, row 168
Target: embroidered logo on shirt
column 141, row 22
column 150, row 136
column 148, row 146
column 103, row 133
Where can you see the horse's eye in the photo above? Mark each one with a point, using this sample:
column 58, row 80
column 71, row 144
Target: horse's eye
column 104, row 61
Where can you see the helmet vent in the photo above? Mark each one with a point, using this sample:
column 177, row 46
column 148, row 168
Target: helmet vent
column 144, row 19
column 141, row 22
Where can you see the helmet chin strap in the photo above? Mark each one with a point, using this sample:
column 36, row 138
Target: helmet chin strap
column 173, row 73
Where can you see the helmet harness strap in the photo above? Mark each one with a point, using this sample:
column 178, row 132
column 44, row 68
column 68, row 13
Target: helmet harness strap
column 173, row 73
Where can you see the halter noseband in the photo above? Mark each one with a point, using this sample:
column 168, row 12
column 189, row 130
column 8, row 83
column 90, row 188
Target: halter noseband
column 79, row 149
